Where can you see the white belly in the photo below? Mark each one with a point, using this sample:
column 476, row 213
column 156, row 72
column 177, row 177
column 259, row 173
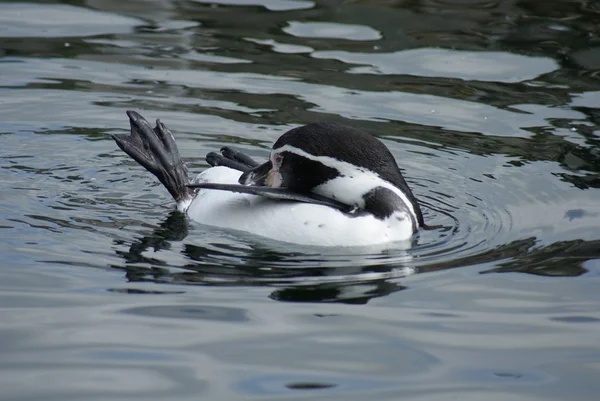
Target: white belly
column 299, row 223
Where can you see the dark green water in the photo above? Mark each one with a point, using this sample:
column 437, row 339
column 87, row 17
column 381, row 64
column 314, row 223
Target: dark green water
column 491, row 108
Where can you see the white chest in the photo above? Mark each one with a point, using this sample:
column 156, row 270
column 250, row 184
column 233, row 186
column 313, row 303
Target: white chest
column 299, row 223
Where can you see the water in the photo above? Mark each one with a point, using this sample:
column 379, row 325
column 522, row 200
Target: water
column 491, row 108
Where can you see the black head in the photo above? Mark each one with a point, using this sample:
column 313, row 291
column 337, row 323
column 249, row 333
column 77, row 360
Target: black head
column 298, row 171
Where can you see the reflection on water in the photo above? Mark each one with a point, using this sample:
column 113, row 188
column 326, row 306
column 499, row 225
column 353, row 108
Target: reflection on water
column 302, row 275
column 491, row 108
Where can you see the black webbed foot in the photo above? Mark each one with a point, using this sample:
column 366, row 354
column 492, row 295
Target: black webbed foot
column 215, row 159
column 155, row 149
column 231, row 158
column 234, row 154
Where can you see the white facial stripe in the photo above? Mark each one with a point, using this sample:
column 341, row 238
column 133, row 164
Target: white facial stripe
column 352, row 185
column 274, row 179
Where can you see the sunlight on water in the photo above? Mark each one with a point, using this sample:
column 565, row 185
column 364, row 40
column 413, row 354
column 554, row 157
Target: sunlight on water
column 477, row 66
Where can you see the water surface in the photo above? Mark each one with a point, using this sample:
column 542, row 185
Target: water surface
column 492, row 109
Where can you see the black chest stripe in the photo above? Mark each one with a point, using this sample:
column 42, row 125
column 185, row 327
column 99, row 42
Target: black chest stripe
column 383, row 202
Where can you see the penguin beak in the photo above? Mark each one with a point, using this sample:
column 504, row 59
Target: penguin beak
column 262, row 176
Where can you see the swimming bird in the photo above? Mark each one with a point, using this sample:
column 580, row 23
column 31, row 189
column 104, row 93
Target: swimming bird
column 325, row 184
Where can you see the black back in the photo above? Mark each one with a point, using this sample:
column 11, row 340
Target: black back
column 350, row 145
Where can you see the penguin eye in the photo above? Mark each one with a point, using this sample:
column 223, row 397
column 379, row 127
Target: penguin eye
column 278, row 160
